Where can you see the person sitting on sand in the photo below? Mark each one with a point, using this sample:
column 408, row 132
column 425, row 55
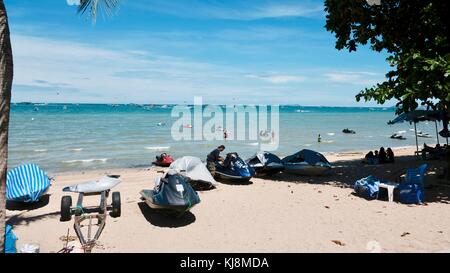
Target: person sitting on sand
column 370, row 158
column 427, row 148
column 389, row 155
column 382, row 156
column 376, row 157
column 214, row 157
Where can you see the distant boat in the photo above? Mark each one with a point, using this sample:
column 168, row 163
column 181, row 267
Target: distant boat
column 398, row 136
column 422, row 134
column 348, row 131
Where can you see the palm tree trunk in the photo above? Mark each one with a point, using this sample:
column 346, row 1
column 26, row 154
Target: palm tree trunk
column 6, row 78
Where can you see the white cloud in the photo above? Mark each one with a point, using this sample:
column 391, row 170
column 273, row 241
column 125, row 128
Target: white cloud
column 278, row 78
column 60, row 71
column 233, row 10
column 351, row 77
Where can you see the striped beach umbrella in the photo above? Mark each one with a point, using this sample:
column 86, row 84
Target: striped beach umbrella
column 26, row 183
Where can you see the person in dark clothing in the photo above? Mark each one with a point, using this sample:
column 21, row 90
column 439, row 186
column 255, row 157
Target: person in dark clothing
column 370, row 158
column 382, row 157
column 390, row 155
column 230, row 158
column 213, row 157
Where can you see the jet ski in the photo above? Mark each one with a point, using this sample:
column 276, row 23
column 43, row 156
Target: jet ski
column 265, row 164
column 193, row 168
column 171, row 193
column 163, row 160
column 398, row 136
column 234, row 169
column 422, row 134
column 348, row 131
column 306, row 162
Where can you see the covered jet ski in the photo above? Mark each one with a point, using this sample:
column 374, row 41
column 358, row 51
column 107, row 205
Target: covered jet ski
column 306, row 162
column 163, row 160
column 265, row 163
column 192, row 167
column 234, row 168
column 172, row 192
column 26, row 183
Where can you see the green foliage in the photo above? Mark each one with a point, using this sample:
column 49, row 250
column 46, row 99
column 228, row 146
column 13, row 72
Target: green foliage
column 93, row 7
column 415, row 35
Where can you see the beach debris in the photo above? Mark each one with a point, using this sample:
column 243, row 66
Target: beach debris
column 67, row 238
column 292, row 191
column 339, row 243
column 319, row 191
column 327, row 207
column 404, row 234
column 29, row 248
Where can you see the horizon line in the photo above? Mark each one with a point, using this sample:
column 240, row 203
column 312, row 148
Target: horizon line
column 189, row 104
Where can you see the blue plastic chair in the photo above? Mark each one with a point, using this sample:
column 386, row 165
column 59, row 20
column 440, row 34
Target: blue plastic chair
column 416, row 176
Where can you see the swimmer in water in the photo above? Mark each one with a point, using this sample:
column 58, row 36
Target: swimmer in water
column 319, row 139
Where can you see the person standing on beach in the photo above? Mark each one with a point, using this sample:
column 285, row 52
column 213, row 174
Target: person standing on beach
column 214, row 157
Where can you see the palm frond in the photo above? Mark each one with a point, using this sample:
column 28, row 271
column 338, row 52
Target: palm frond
column 94, row 7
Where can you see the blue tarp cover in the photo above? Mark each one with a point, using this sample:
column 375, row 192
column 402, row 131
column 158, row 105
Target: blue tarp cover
column 26, row 183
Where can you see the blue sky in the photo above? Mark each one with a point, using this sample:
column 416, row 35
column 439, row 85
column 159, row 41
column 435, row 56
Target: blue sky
column 156, row 51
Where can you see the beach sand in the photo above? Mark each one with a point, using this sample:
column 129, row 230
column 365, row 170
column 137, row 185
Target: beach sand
column 282, row 214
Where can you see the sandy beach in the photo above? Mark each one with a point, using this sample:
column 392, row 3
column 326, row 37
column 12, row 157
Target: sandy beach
column 285, row 213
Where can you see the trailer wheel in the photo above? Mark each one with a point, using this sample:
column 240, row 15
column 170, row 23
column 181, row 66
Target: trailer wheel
column 116, row 210
column 66, row 204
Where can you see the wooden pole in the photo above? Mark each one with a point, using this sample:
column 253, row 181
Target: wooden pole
column 437, row 134
column 417, row 142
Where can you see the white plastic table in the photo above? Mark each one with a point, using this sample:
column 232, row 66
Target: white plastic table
column 390, row 186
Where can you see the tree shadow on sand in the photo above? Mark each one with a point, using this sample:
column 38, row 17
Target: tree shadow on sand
column 346, row 172
column 162, row 219
column 14, row 206
column 20, row 219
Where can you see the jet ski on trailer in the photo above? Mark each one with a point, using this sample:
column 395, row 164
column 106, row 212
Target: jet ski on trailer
column 171, row 193
column 306, row 162
column 265, row 164
column 234, row 169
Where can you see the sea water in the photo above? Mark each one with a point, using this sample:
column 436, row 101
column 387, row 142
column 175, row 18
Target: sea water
column 73, row 137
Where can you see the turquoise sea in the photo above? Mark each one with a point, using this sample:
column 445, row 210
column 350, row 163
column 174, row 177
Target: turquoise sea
column 73, row 137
